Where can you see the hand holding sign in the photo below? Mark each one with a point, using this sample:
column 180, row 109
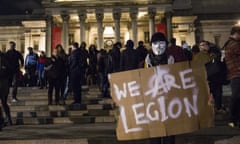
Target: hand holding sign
column 160, row 101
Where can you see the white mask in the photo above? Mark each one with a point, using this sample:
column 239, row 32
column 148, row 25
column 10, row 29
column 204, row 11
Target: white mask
column 159, row 47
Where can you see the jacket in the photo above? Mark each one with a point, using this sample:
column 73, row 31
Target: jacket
column 232, row 58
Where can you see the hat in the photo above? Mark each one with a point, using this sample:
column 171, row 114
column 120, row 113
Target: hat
column 158, row 36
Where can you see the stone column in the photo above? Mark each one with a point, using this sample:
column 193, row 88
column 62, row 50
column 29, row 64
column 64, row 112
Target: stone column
column 82, row 18
column 117, row 16
column 49, row 22
column 168, row 16
column 99, row 17
column 133, row 15
column 42, row 41
column 65, row 18
column 152, row 14
column 27, row 38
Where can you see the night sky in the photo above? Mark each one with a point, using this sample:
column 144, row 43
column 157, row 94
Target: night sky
column 18, row 7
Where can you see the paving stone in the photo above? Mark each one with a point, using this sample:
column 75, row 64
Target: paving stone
column 233, row 140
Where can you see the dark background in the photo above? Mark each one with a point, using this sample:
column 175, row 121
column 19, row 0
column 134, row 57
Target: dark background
column 19, row 7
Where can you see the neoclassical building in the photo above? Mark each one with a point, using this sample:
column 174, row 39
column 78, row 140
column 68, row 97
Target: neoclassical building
column 103, row 22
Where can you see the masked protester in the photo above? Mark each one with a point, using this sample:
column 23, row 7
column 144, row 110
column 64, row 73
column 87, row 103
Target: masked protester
column 157, row 56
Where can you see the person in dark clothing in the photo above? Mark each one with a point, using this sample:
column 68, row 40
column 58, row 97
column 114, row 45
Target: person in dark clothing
column 83, row 60
column 232, row 57
column 31, row 67
column 116, row 56
column 92, row 68
column 216, row 81
column 4, row 89
column 68, row 89
column 158, row 55
column 142, row 53
column 176, row 51
column 16, row 61
column 53, row 69
column 104, row 69
column 63, row 60
column 76, row 71
column 129, row 57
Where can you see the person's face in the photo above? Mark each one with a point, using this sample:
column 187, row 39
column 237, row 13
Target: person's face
column 159, row 47
column 12, row 46
column 237, row 35
column 203, row 46
column 30, row 51
column 54, row 52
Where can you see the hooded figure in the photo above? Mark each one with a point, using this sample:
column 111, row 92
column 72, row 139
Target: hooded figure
column 129, row 57
column 158, row 53
column 157, row 56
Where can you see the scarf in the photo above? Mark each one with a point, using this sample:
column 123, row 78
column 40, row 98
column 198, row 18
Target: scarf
column 158, row 59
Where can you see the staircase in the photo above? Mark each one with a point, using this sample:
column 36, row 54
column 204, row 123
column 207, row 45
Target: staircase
column 33, row 109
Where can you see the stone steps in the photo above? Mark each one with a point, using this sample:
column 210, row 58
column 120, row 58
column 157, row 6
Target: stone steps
column 63, row 113
column 63, row 120
column 90, row 123
column 33, row 109
column 17, row 108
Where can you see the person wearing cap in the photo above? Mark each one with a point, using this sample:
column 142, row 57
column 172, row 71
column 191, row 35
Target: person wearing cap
column 232, row 58
column 157, row 56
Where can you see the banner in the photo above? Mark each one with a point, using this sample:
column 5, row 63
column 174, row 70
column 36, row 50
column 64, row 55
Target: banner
column 56, row 36
column 161, row 101
column 161, row 28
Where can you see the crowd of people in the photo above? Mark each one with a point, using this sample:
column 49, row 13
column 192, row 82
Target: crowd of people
column 66, row 73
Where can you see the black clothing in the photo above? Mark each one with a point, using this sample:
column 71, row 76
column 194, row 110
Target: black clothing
column 76, row 71
column 13, row 58
column 83, row 61
column 158, row 59
column 129, row 59
column 92, row 69
column 53, row 69
column 116, row 56
column 234, row 103
column 4, row 88
column 142, row 53
column 104, row 68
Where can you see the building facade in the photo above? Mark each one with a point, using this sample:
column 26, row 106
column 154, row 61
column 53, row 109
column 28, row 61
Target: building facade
column 105, row 22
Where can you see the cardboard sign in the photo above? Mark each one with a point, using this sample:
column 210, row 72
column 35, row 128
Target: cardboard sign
column 161, row 101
